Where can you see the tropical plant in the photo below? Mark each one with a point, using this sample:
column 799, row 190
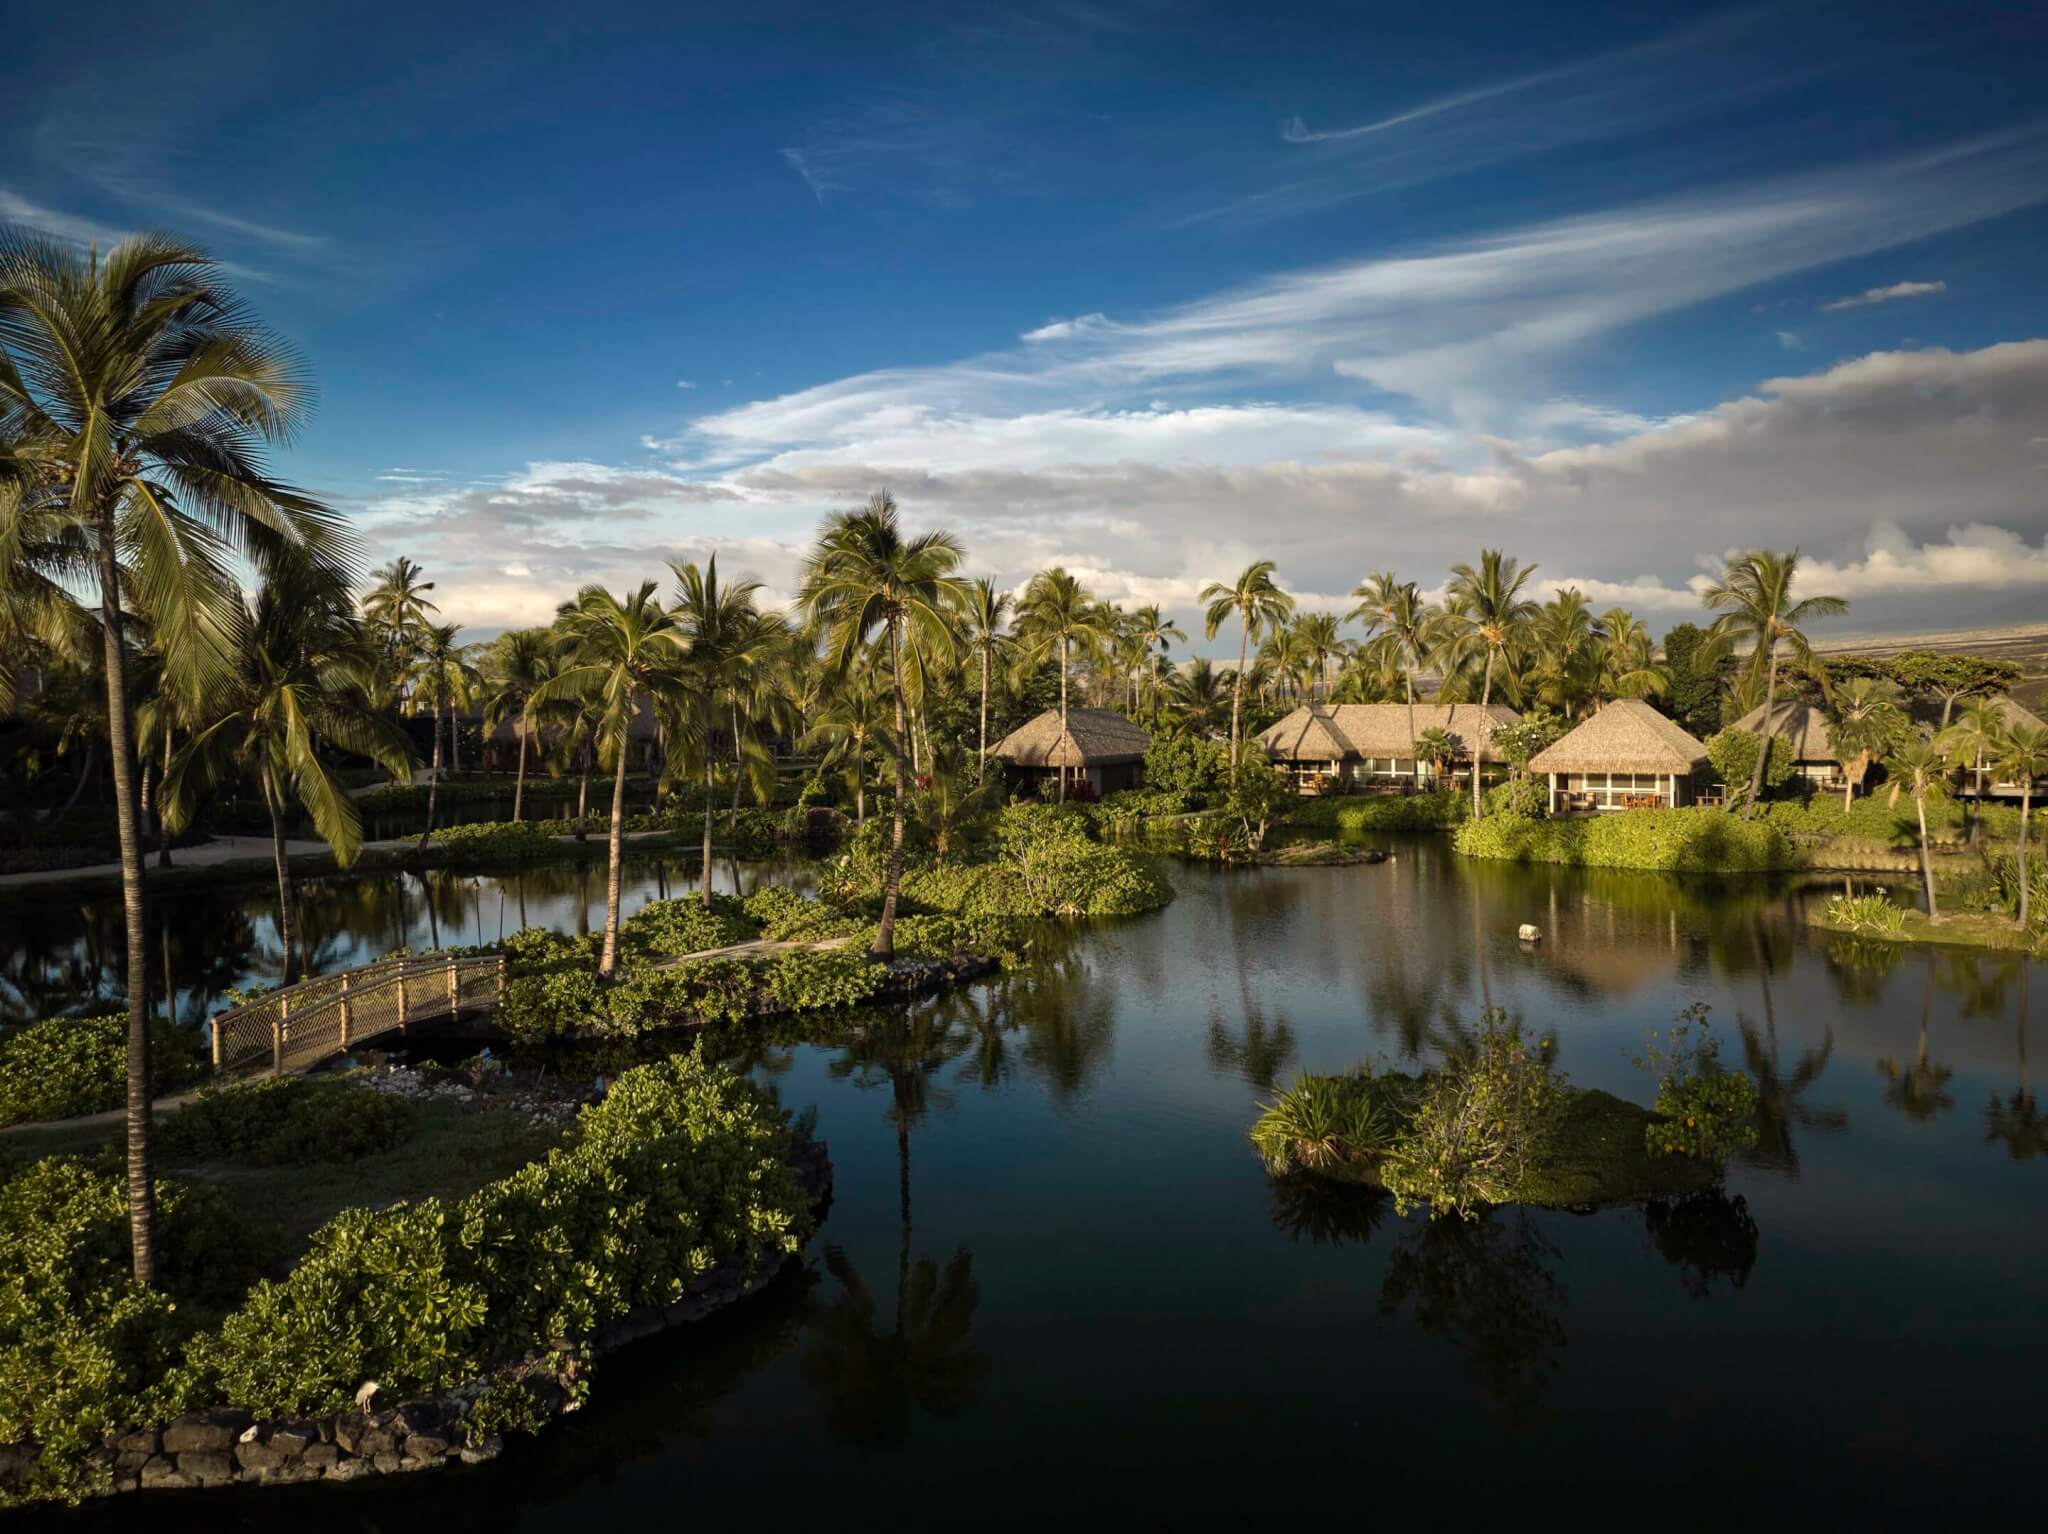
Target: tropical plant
column 1258, row 604
column 985, row 618
column 438, row 672
column 1489, row 618
column 1865, row 725
column 851, row 725
column 1755, row 600
column 518, row 661
column 301, row 671
column 1055, row 617
column 1154, row 635
column 1625, row 663
column 1973, row 739
column 864, row 578
column 949, row 797
column 137, row 398
column 620, row 650
column 397, row 610
column 1920, row 767
column 1703, row 1110
column 2022, row 757
column 1402, row 630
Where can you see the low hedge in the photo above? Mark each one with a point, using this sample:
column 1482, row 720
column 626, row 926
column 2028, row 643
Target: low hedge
column 1707, row 841
column 1436, row 811
column 66, row 1066
column 284, row 1121
column 682, row 1168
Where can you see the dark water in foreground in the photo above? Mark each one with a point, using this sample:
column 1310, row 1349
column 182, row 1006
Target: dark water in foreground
column 1100, row 1307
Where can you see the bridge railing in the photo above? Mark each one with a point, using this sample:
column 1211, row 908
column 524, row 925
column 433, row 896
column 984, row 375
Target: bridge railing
column 301, row 1025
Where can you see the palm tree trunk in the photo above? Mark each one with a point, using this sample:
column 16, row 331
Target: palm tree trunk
column 1414, row 761
column 454, row 740
column 583, row 792
column 85, row 767
column 2026, row 810
column 1926, row 863
column 732, row 818
column 1485, row 702
column 433, row 781
column 1763, row 736
column 163, row 829
column 885, row 935
column 1244, row 639
column 519, row 781
column 284, row 891
column 610, row 958
column 984, row 710
column 120, row 737
column 704, row 878
column 1063, row 715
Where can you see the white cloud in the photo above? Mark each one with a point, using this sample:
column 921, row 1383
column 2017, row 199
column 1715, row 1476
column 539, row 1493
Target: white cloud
column 1886, row 295
column 1790, row 340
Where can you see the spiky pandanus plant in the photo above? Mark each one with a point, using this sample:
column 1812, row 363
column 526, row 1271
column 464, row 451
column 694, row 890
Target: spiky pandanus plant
column 1258, row 604
column 865, row 583
column 302, row 673
column 138, row 399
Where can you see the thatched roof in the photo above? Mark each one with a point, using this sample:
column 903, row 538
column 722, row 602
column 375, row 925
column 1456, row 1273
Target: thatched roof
column 1094, row 737
column 1800, row 723
column 1335, row 732
column 1627, row 735
column 2015, row 712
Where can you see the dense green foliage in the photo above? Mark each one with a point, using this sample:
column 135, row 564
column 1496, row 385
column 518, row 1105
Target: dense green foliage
column 1868, row 915
column 681, row 1167
column 1703, row 1110
column 83, row 1347
column 1733, row 753
column 1478, row 1125
column 1694, row 699
column 1671, row 841
column 491, row 841
column 1187, row 766
column 66, row 1066
column 1438, row 811
column 284, row 1121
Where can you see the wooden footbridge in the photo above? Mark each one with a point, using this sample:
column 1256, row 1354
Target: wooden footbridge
column 296, row 1028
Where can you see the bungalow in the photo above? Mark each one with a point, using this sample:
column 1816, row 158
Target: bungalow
column 1805, row 728
column 1336, row 745
column 2014, row 714
column 1099, row 747
column 1626, row 757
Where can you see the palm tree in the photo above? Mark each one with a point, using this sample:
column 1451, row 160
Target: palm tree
column 397, row 609
column 1565, row 652
column 1919, row 1090
column 1402, row 628
column 518, row 661
column 1754, row 598
column 2017, row 1121
column 1258, row 605
column 1491, row 616
column 1865, row 724
column 864, row 576
column 1198, row 693
column 1974, row 737
column 1154, row 634
column 948, row 798
column 985, row 618
column 620, row 651
column 439, row 674
column 1316, row 634
column 727, row 642
column 1434, row 747
column 2021, row 757
column 137, row 397
column 1625, row 663
column 302, row 669
column 1054, row 617
column 1920, row 767
column 851, row 723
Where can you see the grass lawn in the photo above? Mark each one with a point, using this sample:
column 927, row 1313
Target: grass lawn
column 1967, row 929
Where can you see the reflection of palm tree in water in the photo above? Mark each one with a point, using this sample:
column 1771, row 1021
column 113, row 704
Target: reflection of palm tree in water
column 1920, row 1091
column 872, row 1377
column 2017, row 1120
column 1258, row 1053
column 1778, row 1096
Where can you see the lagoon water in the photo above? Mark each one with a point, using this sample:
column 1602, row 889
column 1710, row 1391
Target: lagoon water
column 1055, row 1283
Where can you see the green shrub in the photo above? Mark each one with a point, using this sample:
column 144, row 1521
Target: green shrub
column 489, row 840
column 1525, row 796
column 1733, row 753
column 681, row 1167
column 284, row 1121
column 806, row 981
column 1703, row 1111
column 785, row 916
column 82, row 1345
column 1438, row 810
column 1669, row 841
column 63, row 1067
column 1480, row 1124
column 671, row 928
column 1185, row 765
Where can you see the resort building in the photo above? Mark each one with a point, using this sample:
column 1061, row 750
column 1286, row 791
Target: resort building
column 2014, row 714
column 1626, row 757
column 1336, row 747
column 1806, row 729
column 1099, row 748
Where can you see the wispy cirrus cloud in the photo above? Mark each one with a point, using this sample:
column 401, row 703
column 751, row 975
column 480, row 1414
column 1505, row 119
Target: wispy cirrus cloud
column 1884, row 295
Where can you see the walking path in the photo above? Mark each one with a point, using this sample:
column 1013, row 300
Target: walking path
column 254, row 850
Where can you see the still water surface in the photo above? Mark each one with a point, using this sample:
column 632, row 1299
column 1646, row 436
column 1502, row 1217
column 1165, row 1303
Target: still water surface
column 1095, row 1304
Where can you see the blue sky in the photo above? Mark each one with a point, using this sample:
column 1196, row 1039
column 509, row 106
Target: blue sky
column 1151, row 289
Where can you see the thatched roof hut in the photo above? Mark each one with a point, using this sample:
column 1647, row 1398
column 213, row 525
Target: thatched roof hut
column 1341, row 732
column 1798, row 723
column 1094, row 737
column 1626, row 735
